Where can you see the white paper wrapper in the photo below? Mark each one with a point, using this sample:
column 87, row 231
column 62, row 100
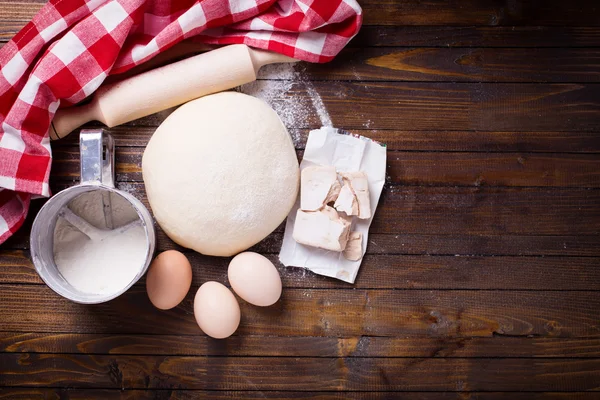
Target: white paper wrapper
column 347, row 153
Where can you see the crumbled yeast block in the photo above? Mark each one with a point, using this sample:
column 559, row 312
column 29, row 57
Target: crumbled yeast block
column 319, row 186
column 360, row 187
column 346, row 201
column 334, row 192
column 353, row 250
column 324, row 229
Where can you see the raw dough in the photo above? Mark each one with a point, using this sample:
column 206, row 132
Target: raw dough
column 221, row 173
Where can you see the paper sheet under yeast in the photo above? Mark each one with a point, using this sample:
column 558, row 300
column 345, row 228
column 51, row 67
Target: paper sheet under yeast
column 347, row 153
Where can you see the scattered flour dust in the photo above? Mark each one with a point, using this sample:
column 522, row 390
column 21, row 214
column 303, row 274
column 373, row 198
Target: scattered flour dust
column 100, row 266
column 281, row 86
column 318, row 105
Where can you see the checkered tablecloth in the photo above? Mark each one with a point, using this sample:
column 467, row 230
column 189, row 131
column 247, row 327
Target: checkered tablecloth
column 69, row 48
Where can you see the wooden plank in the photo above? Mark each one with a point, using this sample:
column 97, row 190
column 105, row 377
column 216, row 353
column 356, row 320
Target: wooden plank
column 298, row 346
column 475, row 12
column 321, row 312
column 470, row 211
column 134, row 394
column 457, row 65
column 477, row 36
column 413, row 12
column 498, row 243
column 431, row 106
column 409, row 244
column 471, row 141
column 289, row 373
column 19, row 11
column 487, row 211
column 415, row 168
column 392, row 272
column 482, row 211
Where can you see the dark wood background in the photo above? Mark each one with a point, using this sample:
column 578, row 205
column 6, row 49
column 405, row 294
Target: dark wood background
column 482, row 276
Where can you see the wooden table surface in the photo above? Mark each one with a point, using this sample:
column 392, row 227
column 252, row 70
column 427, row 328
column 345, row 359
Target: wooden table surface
column 482, row 276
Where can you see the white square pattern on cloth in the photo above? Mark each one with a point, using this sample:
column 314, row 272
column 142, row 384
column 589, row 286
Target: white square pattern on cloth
column 92, row 85
column 258, row 24
column 30, row 91
column 139, row 52
column 312, row 42
column 11, row 139
column 14, row 69
column 3, row 224
column 68, row 48
column 238, row 6
column 260, row 35
column 192, row 18
column 10, row 184
column 53, row 30
column 93, row 4
column 111, row 15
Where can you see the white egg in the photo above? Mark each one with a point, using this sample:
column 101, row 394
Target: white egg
column 216, row 310
column 255, row 279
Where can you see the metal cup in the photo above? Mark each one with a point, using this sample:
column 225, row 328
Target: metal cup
column 97, row 174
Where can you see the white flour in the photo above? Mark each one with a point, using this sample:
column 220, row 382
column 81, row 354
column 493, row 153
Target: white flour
column 280, row 86
column 318, row 104
column 100, row 266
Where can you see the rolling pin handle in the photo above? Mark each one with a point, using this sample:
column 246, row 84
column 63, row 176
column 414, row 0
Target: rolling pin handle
column 261, row 58
column 67, row 120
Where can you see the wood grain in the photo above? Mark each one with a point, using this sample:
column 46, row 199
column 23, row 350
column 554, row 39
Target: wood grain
column 415, row 244
column 171, row 394
column 457, row 242
column 477, row 36
column 347, row 374
column 415, row 168
column 436, row 12
column 395, row 140
column 457, row 65
column 490, row 111
column 299, row 346
column 469, row 211
column 428, row 106
column 321, row 312
column 390, row 64
column 474, row 12
column 392, row 272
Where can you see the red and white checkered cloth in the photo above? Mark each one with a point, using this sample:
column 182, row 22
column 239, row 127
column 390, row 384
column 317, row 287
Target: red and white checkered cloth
column 71, row 46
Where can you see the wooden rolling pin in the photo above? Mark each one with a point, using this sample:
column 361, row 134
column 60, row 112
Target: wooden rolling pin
column 165, row 87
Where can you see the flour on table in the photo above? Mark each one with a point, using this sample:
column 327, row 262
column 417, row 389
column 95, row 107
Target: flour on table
column 318, row 105
column 278, row 86
column 100, row 266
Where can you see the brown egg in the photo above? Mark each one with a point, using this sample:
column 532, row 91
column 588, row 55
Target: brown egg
column 169, row 279
column 216, row 310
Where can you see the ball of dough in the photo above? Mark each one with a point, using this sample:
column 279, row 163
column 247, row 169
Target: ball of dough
column 221, row 173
